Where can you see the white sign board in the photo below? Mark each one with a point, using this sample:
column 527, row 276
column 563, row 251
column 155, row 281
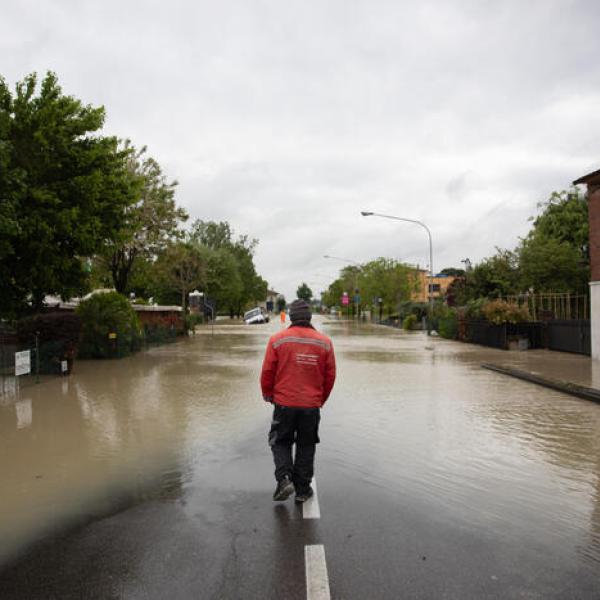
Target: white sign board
column 22, row 362
column 64, row 366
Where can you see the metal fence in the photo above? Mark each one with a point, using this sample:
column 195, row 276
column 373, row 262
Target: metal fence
column 485, row 334
column 52, row 357
column 569, row 336
column 562, row 335
column 14, row 350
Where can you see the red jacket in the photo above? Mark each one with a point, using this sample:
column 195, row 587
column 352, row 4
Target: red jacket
column 299, row 368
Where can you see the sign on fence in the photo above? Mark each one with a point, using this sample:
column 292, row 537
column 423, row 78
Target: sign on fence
column 22, row 362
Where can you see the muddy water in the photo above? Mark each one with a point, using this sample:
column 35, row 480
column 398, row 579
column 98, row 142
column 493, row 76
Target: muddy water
column 416, row 417
column 511, row 459
column 75, row 448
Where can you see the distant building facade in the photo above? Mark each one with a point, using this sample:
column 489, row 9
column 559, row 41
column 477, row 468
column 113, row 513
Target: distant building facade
column 270, row 302
column 440, row 284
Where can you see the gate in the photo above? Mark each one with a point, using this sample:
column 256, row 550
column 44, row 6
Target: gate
column 569, row 336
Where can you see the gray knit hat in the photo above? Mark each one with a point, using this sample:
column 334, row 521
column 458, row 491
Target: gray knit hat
column 300, row 311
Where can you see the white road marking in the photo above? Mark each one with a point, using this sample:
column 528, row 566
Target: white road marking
column 317, row 581
column 310, row 509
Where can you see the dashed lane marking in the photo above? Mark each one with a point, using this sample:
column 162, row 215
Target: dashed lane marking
column 310, row 509
column 317, row 581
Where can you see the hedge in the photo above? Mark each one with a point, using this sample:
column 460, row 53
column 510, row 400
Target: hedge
column 111, row 328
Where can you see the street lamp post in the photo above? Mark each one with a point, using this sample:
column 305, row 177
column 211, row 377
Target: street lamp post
column 352, row 262
column 365, row 213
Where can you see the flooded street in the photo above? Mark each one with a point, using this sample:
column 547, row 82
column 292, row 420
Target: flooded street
column 150, row 476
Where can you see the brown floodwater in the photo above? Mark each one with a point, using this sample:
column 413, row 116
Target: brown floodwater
column 413, row 415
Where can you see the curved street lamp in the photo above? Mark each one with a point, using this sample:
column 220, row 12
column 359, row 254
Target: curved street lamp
column 366, row 213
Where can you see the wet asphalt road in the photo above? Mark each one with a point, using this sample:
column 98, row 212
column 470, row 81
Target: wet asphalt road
column 436, row 479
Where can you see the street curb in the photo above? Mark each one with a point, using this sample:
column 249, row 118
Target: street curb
column 566, row 387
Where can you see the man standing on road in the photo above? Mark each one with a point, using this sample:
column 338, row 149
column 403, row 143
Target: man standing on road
column 297, row 376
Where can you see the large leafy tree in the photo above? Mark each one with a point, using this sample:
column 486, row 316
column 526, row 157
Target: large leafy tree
column 383, row 283
column 554, row 257
column 494, row 277
column 389, row 280
column 182, row 266
column 223, row 282
column 149, row 224
column 551, row 266
column 63, row 191
column 245, row 284
column 564, row 218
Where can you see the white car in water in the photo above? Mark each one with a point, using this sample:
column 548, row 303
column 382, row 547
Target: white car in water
column 256, row 316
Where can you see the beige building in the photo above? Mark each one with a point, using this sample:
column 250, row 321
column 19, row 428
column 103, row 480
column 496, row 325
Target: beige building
column 440, row 285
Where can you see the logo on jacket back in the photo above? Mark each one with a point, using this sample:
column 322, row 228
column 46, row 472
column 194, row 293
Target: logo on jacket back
column 307, row 359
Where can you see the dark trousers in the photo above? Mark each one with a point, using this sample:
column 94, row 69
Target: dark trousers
column 299, row 426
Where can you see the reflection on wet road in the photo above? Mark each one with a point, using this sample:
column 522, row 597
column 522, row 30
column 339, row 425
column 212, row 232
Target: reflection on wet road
column 436, row 478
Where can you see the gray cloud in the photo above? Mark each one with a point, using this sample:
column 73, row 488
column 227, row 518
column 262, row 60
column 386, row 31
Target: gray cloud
column 288, row 119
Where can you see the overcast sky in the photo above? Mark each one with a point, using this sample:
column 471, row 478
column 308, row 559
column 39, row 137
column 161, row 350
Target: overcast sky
column 289, row 118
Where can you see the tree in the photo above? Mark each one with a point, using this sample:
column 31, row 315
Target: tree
column 551, row 266
column 494, row 277
column 63, row 191
column 304, row 292
column 220, row 237
column 389, row 280
column 565, row 219
column 149, row 224
column 212, row 234
column 223, row 281
column 253, row 286
column 383, row 278
column 554, row 257
column 453, row 272
column 182, row 266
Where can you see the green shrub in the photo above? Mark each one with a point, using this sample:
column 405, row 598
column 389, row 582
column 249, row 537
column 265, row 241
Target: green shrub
column 190, row 321
column 473, row 308
column 104, row 314
column 409, row 322
column 419, row 309
column 500, row 311
column 448, row 325
column 58, row 338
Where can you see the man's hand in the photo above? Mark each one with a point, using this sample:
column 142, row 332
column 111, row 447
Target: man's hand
column 268, row 399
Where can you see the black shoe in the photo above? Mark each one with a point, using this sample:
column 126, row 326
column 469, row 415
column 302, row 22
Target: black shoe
column 284, row 489
column 304, row 496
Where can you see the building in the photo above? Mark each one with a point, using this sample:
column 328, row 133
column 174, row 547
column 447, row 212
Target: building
column 592, row 181
column 170, row 317
column 440, row 284
column 270, row 302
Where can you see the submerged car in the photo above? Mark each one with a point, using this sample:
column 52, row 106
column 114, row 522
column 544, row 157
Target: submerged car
column 256, row 316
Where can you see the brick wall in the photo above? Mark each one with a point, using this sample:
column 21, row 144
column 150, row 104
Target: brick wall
column 166, row 319
column 594, row 219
